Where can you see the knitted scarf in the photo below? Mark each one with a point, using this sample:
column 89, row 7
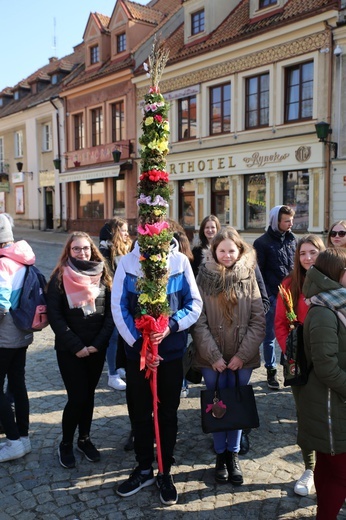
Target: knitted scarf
column 214, row 278
column 334, row 300
column 81, row 280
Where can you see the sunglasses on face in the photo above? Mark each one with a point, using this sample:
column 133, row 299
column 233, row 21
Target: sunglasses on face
column 341, row 234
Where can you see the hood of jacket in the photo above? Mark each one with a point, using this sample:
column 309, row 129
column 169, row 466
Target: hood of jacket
column 20, row 252
column 317, row 282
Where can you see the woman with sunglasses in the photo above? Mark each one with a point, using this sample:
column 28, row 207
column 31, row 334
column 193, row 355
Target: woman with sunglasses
column 78, row 307
column 337, row 234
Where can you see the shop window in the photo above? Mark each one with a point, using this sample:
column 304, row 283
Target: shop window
column 78, row 132
column 299, row 92
column 119, row 198
column 255, row 201
column 220, row 199
column 296, row 195
column 197, row 22
column 91, row 199
column 96, row 126
column 187, row 123
column 220, row 109
column 257, row 101
column 187, row 204
column 118, row 121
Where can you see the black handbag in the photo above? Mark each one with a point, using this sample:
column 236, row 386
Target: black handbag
column 228, row 408
column 296, row 370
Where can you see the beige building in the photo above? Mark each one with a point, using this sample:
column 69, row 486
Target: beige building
column 247, row 82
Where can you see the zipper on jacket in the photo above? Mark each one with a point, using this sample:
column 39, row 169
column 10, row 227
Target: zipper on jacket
column 329, row 408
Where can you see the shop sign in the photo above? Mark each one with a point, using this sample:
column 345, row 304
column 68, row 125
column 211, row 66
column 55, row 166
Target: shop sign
column 5, row 187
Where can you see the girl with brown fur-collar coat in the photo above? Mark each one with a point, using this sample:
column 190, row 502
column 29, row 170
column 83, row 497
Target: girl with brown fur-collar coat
column 229, row 332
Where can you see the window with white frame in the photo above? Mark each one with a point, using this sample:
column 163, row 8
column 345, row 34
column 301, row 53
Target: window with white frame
column 121, row 42
column 46, row 137
column 197, row 22
column 257, row 101
column 96, row 126
column 18, row 144
column 78, row 124
column 2, row 159
column 299, row 92
column 220, row 109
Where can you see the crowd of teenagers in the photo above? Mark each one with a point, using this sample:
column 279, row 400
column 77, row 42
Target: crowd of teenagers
column 225, row 294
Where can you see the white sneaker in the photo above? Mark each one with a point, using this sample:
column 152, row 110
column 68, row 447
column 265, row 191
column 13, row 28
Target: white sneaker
column 12, row 450
column 121, row 373
column 184, row 392
column 116, row 382
column 304, row 484
column 26, row 443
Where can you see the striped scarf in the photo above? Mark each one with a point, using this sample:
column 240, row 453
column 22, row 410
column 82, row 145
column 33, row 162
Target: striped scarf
column 334, row 300
column 81, row 280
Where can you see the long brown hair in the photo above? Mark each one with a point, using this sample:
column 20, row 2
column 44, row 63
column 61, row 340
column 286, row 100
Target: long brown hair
column 297, row 275
column 228, row 233
column 202, row 237
column 332, row 262
column 95, row 257
column 119, row 247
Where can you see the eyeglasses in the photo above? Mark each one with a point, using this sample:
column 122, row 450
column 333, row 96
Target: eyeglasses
column 341, row 234
column 77, row 250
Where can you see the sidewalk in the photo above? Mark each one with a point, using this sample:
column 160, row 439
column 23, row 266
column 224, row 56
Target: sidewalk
column 36, row 487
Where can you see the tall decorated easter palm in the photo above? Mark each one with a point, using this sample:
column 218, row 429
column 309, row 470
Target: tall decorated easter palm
column 154, row 236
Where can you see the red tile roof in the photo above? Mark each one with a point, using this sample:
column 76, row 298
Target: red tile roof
column 142, row 12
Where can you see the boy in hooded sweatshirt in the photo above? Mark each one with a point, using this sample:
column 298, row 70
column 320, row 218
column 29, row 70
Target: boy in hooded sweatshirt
column 275, row 256
column 14, row 257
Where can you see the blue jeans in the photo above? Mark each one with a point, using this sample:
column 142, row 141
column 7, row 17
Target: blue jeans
column 269, row 340
column 112, row 352
column 228, row 440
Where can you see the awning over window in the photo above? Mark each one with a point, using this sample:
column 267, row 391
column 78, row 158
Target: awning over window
column 86, row 175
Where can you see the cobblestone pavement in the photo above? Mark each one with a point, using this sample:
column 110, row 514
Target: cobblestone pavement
column 36, row 487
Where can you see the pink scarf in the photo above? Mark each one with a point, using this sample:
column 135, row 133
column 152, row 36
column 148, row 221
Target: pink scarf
column 81, row 289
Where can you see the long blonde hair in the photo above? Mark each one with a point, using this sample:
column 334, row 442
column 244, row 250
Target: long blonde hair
column 119, row 247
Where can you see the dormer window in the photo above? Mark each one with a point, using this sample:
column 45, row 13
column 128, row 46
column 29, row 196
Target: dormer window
column 1, row 102
column 266, row 3
column 121, row 42
column 16, row 95
column 55, row 79
column 94, row 54
column 197, row 22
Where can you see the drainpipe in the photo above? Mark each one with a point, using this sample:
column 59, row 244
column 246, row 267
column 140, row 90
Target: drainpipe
column 59, row 155
column 329, row 119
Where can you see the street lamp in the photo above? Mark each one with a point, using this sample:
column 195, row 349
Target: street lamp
column 323, row 130
column 20, row 168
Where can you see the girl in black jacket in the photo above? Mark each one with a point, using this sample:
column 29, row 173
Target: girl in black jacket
column 78, row 306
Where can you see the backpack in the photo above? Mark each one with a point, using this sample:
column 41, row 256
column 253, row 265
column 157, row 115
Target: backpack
column 296, row 371
column 31, row 314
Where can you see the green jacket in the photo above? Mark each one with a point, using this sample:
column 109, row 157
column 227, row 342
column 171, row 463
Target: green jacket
column 321, row 404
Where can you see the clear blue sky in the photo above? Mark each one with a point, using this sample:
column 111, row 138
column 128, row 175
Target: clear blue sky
column 27, row 32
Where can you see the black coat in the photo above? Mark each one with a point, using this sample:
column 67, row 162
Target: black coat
column 73, row 330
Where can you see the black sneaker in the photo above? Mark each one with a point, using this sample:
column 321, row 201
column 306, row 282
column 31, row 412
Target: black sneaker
column 66, row 457
column 168, row 492
column 244, row 443
column 272, row 380
column 86, row 447
column 135, row 482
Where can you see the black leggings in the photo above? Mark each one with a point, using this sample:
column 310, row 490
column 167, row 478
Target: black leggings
column 80, row 376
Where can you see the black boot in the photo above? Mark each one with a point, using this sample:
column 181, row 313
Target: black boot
column 272, row 380
column 221, row 472
column 244, row 443
column 234, row 469
column 129, row 443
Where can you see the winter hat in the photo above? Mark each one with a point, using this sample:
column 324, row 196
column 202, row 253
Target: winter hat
column 6, row 234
